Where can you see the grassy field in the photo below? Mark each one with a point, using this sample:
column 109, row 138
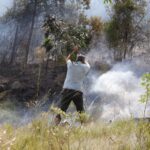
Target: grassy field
column 42, row 135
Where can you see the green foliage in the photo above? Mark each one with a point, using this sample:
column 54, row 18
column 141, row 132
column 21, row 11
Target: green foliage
column 59, row 111
column 78, row 35
column 121, row 22
column 122, row 30
column 82, row 117
column 146, row 84
column 111, row 28
column 48, row 44
column 79, row 117
column 41, row 135
column 73, row 57
column 64, row 36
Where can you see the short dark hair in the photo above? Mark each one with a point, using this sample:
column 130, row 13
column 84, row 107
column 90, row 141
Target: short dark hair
column 81, row 58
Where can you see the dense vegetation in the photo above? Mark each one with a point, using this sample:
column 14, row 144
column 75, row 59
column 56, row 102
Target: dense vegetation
column 42, row 135
column 127, row 24
column 126, row 29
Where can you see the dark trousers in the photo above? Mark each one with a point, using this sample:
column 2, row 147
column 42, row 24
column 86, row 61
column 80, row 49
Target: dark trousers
column 69, row 95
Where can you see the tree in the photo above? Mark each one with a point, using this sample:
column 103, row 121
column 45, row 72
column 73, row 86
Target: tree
column 6, row 40
column 96, row 24
column 146, row 96
column 61, row 36
column 12, row 56
column 29, row 14
column 24, row 14
column 125, row 28
column 66, row 34
column 21, row 14
column 31, row 29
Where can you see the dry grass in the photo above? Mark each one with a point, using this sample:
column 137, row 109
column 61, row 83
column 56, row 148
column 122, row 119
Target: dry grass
column 40, row 135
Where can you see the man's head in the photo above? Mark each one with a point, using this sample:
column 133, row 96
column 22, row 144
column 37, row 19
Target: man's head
column 81, row 58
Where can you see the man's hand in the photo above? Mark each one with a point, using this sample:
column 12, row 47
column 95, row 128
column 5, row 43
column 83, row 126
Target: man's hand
column 68, row 57
column 75, row 50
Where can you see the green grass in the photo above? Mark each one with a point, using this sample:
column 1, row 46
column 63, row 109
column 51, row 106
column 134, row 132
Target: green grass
column 42, row 135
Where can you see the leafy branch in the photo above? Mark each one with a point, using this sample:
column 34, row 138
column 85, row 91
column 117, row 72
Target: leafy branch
column 146, row 96
column 61, row 36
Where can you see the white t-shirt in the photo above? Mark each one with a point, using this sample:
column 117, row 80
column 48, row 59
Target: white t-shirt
column 76, row 72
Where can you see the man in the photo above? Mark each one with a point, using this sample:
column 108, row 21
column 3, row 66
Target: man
column 72, row 89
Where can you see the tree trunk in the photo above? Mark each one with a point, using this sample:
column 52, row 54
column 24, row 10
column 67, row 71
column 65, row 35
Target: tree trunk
column 131, row 50
column 31, row 32
column 4, row 58
column 47, row 63
column 126, row 42
column 125, row 50
column 14, row 46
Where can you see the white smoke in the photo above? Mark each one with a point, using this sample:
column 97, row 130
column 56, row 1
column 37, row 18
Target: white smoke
column 100, row 52
column 118, row 91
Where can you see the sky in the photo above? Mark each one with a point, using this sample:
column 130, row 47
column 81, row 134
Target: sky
column 4, row 4
column 97, row 8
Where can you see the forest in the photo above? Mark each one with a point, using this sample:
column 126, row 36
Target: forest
column 36, row 36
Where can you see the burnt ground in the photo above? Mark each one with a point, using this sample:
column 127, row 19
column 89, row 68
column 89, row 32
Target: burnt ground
column 22, row 85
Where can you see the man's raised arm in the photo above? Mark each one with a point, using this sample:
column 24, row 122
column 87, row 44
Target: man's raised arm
column 75, row 49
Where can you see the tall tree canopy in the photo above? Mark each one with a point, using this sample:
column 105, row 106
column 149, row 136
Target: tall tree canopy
column 27, row 16
column 124, row 30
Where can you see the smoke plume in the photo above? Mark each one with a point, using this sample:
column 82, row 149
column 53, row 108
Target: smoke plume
column 115, row 94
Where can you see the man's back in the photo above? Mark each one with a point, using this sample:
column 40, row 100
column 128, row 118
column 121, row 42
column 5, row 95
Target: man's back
column 76, row 72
